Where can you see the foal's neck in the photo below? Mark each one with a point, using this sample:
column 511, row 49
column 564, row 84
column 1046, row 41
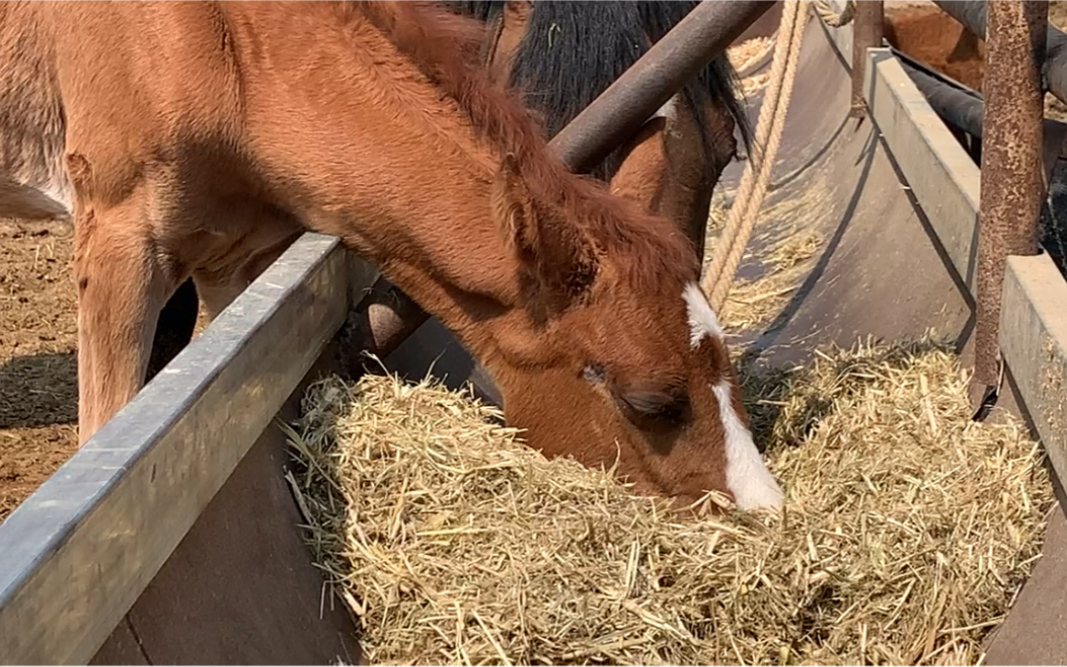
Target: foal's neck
column 358, row 143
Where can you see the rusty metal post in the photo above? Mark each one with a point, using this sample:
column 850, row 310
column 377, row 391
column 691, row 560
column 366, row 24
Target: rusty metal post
column 386, row 316
column 1012, row 181
column 867, row 34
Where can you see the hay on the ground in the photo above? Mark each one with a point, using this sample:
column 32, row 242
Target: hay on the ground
column 747, row 53
column 907, row 530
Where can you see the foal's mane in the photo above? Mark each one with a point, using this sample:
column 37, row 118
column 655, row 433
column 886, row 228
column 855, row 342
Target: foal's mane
column 445, row 47
column 572, row 51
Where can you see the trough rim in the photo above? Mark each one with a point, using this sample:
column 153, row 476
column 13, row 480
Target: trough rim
column 126, row 499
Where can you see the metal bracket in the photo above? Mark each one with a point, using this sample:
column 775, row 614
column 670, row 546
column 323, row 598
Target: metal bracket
column 991, row 393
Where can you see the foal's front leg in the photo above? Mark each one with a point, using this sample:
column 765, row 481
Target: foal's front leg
column 122, row 285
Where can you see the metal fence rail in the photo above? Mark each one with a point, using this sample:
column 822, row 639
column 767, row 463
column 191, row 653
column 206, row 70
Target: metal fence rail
column 947, row 185
column 76, row 555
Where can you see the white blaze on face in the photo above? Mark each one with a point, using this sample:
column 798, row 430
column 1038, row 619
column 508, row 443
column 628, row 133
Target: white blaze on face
column 702, row 319
column 747, row 477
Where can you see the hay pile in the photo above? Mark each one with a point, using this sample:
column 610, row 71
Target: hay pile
column 907, row 530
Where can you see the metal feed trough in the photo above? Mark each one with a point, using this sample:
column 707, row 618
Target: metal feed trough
column 172, row 536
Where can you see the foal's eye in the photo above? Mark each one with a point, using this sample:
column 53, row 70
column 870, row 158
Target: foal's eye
column 667, row 406
column 646, row 405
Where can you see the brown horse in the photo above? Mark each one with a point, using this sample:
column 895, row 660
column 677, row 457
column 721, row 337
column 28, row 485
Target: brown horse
column 562, row 54
column 199, row 139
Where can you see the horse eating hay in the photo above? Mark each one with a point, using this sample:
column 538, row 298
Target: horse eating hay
column 199, row 139
column 561, row 56
column 907, row 532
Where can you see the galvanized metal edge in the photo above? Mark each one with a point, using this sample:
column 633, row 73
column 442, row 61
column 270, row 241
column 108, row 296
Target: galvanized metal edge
column 946, row 183
column 76, row 555
column 943, row 178
column 1033, row 342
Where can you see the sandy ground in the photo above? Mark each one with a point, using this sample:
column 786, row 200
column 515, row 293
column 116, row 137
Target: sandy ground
column 38, row 339
column 933, row 38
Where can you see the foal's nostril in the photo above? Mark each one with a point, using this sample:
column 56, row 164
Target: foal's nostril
column 593, row 374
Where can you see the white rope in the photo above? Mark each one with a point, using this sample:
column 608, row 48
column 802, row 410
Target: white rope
column 832, row 18
column 753, row 187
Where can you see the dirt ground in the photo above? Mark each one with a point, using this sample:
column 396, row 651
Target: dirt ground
column 38, row 339
column 924, row 32
column 38, row 364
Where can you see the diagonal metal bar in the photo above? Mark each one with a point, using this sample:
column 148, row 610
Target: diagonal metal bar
column 646, row 86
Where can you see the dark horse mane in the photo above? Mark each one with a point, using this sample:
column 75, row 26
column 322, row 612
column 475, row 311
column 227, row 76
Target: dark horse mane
column 594, row 42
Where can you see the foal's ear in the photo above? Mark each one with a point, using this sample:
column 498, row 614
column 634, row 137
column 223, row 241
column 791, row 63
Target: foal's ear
column 549, row 246
column 513, row 206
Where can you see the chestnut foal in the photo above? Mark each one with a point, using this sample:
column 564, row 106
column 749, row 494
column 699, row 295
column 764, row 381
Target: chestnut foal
column 200, row 138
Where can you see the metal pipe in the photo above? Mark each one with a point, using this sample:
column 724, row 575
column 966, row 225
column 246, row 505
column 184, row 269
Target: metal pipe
column 954, row 105
column 383, row 319
column 972, row 15
column 961, row 109
column 386, row 317
column 647, row 85
column 1012, row 175
column 866, row 34
column 958, row 106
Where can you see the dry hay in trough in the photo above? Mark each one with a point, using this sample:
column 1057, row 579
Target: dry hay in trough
column 906, row 534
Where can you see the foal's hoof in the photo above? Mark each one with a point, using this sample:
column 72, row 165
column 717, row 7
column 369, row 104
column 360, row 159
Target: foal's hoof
column 354, row 341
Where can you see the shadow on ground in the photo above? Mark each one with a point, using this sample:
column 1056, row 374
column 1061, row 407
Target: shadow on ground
column 39, row 390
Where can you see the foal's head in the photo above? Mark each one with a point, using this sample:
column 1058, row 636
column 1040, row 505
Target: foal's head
column 610, row 352
column 618, row 355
